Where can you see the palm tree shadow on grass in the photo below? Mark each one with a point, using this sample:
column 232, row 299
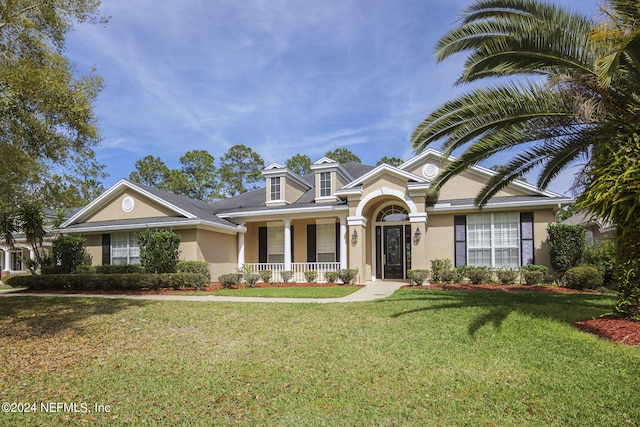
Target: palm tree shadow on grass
column 44, row 317
column 563, row 308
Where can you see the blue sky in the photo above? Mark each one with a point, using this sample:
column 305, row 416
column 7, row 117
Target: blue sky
column 281, row 76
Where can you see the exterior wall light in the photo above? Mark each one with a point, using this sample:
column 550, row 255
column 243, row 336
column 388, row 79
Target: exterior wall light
column 354, row 238
column 416, row 236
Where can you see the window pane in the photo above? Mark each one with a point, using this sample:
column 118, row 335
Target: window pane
column 326, row 242
column 479, row 231
column 325, row 184
column 275, row 244
column 275, row 188
column 480, row 257
column 506, row 230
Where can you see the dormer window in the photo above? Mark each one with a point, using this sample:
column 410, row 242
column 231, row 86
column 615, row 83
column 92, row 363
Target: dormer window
column 275, row 188
column 325, row 184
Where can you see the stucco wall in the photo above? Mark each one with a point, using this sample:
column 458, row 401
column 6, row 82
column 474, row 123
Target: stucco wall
column 143, row 208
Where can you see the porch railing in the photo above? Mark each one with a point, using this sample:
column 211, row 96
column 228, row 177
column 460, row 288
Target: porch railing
column 298, row 269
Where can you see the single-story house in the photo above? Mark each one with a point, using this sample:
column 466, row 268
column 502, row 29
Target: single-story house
column 381, row 220
column 594, row 228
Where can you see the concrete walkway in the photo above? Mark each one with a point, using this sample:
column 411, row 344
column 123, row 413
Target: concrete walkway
column 371, row 291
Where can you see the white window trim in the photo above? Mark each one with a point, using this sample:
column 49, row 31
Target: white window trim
column 492, row 245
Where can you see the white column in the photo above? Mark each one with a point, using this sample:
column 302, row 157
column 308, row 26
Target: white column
column 7, row 259
column 343, row 242
column 241, row 247
column 287, row 244
column 32, row 254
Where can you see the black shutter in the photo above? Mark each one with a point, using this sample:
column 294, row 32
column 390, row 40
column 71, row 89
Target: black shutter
column 262, row 244
column 526, row 238
column 337, row 242
column 460, row 236
column 292, row 240
column 106, row 249
column 311, row 243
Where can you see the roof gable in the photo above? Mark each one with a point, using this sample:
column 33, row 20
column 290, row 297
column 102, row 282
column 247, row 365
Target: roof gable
column 380, row 171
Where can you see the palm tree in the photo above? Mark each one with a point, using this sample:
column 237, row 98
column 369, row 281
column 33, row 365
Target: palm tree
column 572, row 95
column 8, row 228
column 32, row 221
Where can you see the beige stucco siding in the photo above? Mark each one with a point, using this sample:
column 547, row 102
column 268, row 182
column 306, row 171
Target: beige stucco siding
column 467, row 185
column 439, row 239
column 219, row 250
column 143, row 208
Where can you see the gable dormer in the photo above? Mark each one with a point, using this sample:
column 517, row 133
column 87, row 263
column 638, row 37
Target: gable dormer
column 329, row 177
column 283, row 187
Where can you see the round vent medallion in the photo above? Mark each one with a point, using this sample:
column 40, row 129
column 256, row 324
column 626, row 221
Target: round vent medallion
column 127, row 204
column 430, row 171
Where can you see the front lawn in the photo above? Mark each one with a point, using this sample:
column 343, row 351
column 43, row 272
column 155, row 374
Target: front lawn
column 286, row 292
column 421, row 357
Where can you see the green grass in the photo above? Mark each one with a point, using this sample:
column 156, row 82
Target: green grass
column 286, row 292
column 419, row 358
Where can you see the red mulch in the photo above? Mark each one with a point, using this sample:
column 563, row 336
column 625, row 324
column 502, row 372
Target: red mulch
column 165, row 291
column 506, row 288
column 617, row 330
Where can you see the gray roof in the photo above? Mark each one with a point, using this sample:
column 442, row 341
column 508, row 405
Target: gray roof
column 136, row 221
column 255, row 200
column 195, row 207
column 503, row 199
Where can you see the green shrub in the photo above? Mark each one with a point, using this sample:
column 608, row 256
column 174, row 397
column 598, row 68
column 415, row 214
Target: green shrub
column 534, row 274
column 110, row 282
column 602, row 255
column 251, row 279
column 52, row 269
column 68, row 253
column 438, row 267
column 286, row 275
column 464, row 271
column 119, row 269
column 265, row 275
column 159, row 251
column 417, row 277
column 507, row 276
column 347, row 275
column 197, row 267
column 567, row 245
column 331, row 276
column 449, row 276
column 230, row 279
column 85, row 269
column 583, row 277
column 479, row 275
column 311, row 276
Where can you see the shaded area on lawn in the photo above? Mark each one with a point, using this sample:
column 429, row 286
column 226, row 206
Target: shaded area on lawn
column 47, row 317
column 499, row 305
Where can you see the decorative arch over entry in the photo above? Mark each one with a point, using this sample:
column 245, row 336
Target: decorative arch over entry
column 385, row 191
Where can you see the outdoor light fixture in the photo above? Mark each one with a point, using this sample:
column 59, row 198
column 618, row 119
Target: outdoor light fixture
column 416, row 236
column 354, row 237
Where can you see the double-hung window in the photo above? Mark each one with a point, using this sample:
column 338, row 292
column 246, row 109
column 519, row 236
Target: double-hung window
column 275, row 188
column 325, row 184
column 275, row 244
column 124, row 249
column 493, row 240
column 326, row 242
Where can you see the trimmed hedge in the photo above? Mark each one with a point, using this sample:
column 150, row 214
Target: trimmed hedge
column 417, row 277
column 584, row 277
column 110, row 282
column 198, row 267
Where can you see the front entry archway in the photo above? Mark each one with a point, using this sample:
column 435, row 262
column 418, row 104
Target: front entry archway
column 393, row 243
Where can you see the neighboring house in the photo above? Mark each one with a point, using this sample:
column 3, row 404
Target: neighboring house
column 13, row 260
column 381, row 220
column 594, row 228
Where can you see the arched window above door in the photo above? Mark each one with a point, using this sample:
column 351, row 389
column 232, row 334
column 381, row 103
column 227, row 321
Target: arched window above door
column 392, row 213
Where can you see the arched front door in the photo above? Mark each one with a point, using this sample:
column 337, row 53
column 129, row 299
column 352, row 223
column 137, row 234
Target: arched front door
column 393, row 243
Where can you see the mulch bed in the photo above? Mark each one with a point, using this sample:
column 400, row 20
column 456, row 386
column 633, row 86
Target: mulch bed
column 166, row 291
column 506, row 288
column 617, row 330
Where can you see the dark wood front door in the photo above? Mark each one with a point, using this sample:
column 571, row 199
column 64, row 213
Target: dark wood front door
column 393, row 253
